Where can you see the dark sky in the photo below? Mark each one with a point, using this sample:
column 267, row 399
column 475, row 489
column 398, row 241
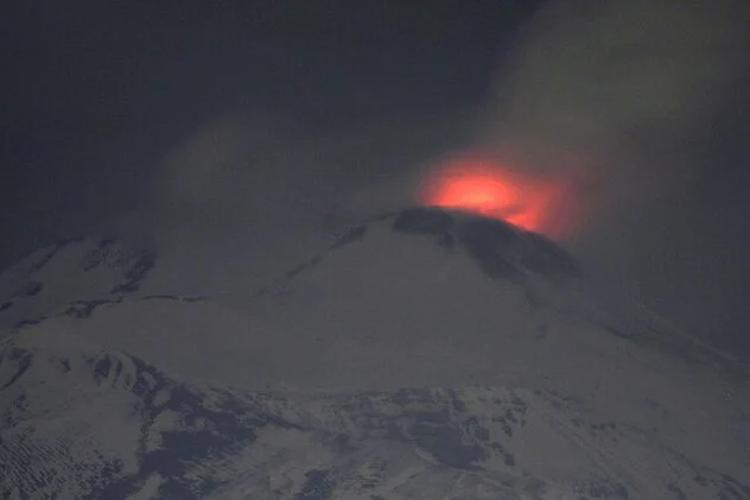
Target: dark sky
column 140, row 110
column 93, row 92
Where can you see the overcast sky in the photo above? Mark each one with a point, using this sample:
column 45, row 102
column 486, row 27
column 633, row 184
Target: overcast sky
column 239, row 129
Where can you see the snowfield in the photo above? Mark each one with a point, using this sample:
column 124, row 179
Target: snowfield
column 426, row 354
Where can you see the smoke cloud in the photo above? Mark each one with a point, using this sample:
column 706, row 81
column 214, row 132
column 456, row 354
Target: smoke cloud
column 636, row 100
column 632, row 90
column 641, row 101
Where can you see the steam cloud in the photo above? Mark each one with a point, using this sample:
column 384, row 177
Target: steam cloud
column 632, row 90
column 630, row 97
column 640, row 100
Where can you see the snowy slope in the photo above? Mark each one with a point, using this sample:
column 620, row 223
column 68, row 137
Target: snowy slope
column 426, row 354
column 79, row 421
column 88, row 423
column 75, row 270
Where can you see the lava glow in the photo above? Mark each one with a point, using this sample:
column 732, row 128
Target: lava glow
column 486, row 188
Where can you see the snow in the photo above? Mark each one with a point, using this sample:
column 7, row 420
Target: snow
column 399, row 363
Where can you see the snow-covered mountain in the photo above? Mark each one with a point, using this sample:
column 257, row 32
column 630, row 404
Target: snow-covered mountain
column 425, row 354
column 80, row 270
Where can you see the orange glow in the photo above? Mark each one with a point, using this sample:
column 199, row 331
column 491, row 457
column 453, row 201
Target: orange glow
column 484, row 187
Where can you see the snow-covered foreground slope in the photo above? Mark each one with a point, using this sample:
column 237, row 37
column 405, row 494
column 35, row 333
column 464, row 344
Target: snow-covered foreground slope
column 426, row 354
column 81, row 422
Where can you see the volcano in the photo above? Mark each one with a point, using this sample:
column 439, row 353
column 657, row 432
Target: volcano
column 427, row 353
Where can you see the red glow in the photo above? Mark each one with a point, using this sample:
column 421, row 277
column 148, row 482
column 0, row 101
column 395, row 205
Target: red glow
column 484, row 187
